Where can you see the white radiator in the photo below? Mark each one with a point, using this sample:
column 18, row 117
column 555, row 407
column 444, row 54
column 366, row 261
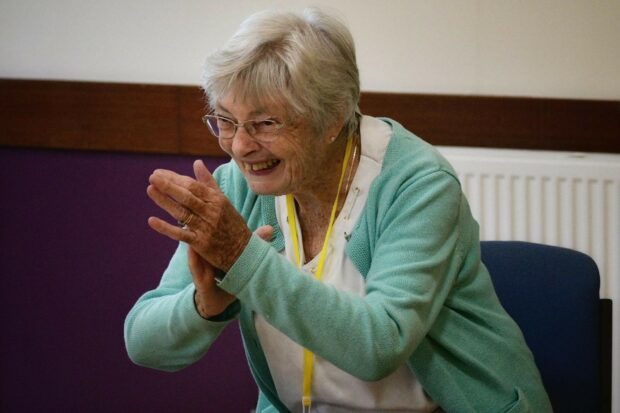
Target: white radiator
column 556, row 198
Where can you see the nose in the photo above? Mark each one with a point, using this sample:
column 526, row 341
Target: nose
column 242, row 142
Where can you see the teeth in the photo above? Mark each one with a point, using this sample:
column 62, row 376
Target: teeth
column 263, row 165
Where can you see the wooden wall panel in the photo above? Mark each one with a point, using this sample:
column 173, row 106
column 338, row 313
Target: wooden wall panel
column 93, row 116
column 502, row 122
column 166, row 118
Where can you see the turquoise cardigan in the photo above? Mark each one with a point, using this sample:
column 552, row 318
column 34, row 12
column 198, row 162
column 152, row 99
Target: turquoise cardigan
column 429, row 300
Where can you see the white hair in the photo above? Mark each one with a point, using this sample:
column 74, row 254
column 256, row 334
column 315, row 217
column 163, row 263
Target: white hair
column 304, row 61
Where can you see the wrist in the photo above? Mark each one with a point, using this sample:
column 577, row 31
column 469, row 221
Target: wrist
column 227, row 313
column 202, row 309
column 235, row 253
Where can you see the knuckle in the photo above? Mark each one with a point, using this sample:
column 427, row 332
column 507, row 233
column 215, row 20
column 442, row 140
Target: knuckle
column 187, row 199
column 194, row 187
column 195, row 196
column 219, row 201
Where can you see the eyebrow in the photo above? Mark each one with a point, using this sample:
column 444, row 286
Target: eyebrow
column 254, row 113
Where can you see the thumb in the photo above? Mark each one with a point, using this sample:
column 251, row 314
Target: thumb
column 195, row 263
column 202, row 272
column 265, row 232
column 203, row 175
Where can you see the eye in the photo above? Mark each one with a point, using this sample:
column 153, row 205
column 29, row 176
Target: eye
column 266, row 126
column 224, row 123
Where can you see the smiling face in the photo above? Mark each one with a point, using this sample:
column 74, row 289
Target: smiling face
column 297, row 161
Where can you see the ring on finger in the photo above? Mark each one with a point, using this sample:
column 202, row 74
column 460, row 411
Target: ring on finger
column 188, row 216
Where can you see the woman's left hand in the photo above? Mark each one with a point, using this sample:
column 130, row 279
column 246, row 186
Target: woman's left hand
column 213, row 227
column 210, row 300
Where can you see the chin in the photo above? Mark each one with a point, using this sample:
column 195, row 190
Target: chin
column 265, row 189
column 271, row 184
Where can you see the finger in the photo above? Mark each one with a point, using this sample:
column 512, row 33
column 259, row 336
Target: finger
column 203, row 273
column 196, row 265
column 166, row 180
column 171, row 231
column 265, row 232
column 171, row 176
column 203, row 175
column 177, row 211
column 190, row 194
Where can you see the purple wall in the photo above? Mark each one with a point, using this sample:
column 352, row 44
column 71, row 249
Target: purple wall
column 75, row 254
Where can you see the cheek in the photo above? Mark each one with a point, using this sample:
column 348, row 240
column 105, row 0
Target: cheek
column 297, row 159
column 305, row 165
column 299, row 147
column 226, row 146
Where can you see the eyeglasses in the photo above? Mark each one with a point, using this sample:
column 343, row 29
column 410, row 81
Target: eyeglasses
column 261, row 130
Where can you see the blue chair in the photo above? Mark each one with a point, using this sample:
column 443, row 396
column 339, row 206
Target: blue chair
column 553, row 295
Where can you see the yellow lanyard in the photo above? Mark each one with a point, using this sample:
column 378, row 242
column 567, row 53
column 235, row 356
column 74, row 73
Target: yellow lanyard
column 292, row 222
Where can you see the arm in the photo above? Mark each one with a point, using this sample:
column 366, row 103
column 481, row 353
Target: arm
column 164, row 330
column 167, row 328
column 414, row 264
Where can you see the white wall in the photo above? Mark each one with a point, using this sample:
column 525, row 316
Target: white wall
column 563, row 48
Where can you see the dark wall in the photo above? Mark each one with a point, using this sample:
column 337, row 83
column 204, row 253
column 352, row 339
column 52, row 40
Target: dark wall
column 75, row 254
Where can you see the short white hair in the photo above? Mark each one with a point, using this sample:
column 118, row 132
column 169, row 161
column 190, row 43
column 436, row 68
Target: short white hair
column 304, row 61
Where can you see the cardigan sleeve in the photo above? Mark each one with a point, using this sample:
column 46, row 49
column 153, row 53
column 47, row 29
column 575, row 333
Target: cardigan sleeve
column 164, row 330
column 413, row 265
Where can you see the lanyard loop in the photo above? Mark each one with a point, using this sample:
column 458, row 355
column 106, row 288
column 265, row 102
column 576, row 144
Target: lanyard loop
column 306, row 399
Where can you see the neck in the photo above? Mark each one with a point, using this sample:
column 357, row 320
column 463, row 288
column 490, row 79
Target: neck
column 318, row 199
column 314, row 205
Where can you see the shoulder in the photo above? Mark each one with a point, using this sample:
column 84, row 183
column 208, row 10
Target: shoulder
column 416, row 196
column 411, row 154
column 409, row 161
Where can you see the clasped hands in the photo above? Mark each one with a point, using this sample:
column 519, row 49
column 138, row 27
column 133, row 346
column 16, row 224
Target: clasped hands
column 216, row 234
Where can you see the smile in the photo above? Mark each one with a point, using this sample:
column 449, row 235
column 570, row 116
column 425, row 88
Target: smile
column 261, row 166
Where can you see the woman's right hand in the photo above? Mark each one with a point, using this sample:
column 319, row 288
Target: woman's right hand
column 210, row 299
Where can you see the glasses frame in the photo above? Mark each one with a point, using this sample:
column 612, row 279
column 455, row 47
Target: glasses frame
column 251, row 129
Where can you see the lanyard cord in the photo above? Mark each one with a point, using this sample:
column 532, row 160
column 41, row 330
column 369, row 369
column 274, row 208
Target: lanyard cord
column 290, row 208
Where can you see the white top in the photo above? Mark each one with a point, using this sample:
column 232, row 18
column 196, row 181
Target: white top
column 333, row 390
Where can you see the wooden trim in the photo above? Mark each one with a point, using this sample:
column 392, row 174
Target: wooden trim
column 166, row 119
column 104, row 116
column 504, row 122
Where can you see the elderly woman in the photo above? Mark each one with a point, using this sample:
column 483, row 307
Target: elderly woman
column 342, row 243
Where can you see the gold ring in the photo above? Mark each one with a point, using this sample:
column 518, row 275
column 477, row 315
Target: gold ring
column 187, row 218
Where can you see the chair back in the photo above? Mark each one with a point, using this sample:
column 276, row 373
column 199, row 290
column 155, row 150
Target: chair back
column 553, row 295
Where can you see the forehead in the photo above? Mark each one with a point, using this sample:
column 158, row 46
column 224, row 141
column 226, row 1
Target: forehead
column 241, row 107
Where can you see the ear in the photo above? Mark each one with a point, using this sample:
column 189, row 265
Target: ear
column 334, row 130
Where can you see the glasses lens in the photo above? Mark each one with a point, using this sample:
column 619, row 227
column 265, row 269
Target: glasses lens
column 265, row 127
column 266, row 130
column 220, row 127
column 263, row 131
column 211, row 122
column 225, row 127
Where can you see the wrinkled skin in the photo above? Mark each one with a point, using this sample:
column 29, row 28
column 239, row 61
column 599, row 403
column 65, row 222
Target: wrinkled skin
column 216, row 234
